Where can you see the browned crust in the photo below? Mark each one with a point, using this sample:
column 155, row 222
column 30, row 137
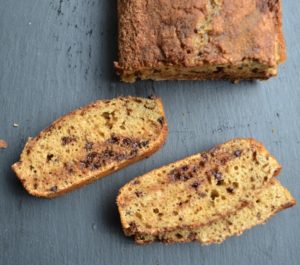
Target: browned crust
column 160, row 33
column 158, row 144
column 289, row 204
column 281, row 39
column 253, row 142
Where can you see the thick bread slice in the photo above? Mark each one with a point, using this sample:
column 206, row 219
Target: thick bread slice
column 91, row 142
column 197, row 190
column 269, row 201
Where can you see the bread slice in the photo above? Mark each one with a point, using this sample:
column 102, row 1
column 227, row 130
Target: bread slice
column 197, row 190
column 269, row 201
column 91, row 142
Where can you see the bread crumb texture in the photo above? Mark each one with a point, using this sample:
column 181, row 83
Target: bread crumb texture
column 91, row 142
column 197, row 190
column 268, row 202
column 199, row 39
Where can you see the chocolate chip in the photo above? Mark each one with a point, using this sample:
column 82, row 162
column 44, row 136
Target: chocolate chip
column 195, row 185
column 67, row 139
column 229, row 223
column 68, row 166
column 114, row 140
column 192, row 236
column 120, row 157
column 217, row 175
column 108, row 153
column 89, row 160
column 161, row 120
column 53, row 189
column 127, row 141
column 185, row 168
column 89, row 146
column 133, row 153
column 258, row 215
column 254, row 156
column 138, row 194
column 155, row 210
column 49, row 157
column 201, row 163
column 204, row 156
column 219, row 69
column 179, row 236
column 230, row 190
column 106, row 115
column 142, row 144
column 132, row 227
column 237, row 153
column 128, row 111
column 136, row 182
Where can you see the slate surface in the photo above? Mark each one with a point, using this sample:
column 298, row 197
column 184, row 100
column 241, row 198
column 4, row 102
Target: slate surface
column 57, row 55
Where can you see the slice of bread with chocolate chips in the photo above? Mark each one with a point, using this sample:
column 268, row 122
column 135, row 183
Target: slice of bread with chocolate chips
column 197, row 190
column 91, row 142
column 268, row 202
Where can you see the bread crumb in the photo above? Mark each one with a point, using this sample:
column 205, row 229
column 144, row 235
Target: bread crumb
column 16, row 125
column 3, row 144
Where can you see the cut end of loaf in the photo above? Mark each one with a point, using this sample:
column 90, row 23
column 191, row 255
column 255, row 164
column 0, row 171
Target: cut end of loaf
column 90, row 143
column 196, row 190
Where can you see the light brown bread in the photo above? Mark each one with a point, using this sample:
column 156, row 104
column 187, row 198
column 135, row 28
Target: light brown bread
column 267, row 203
column 197, row 190
column 91, row 142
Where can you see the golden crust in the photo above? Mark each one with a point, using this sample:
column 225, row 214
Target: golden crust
column 189, row 34
column 20, row 168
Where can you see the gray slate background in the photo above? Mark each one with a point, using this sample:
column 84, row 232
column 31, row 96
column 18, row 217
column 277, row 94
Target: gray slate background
column 57, row 55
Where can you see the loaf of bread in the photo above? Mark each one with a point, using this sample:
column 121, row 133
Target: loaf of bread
column 197, row 190
column 199, row 39
column 91, row 142
column 268, row 202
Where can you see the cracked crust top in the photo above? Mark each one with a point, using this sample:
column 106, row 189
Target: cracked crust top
column 157, row 33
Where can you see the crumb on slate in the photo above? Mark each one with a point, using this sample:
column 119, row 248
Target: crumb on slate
column 3, row 144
